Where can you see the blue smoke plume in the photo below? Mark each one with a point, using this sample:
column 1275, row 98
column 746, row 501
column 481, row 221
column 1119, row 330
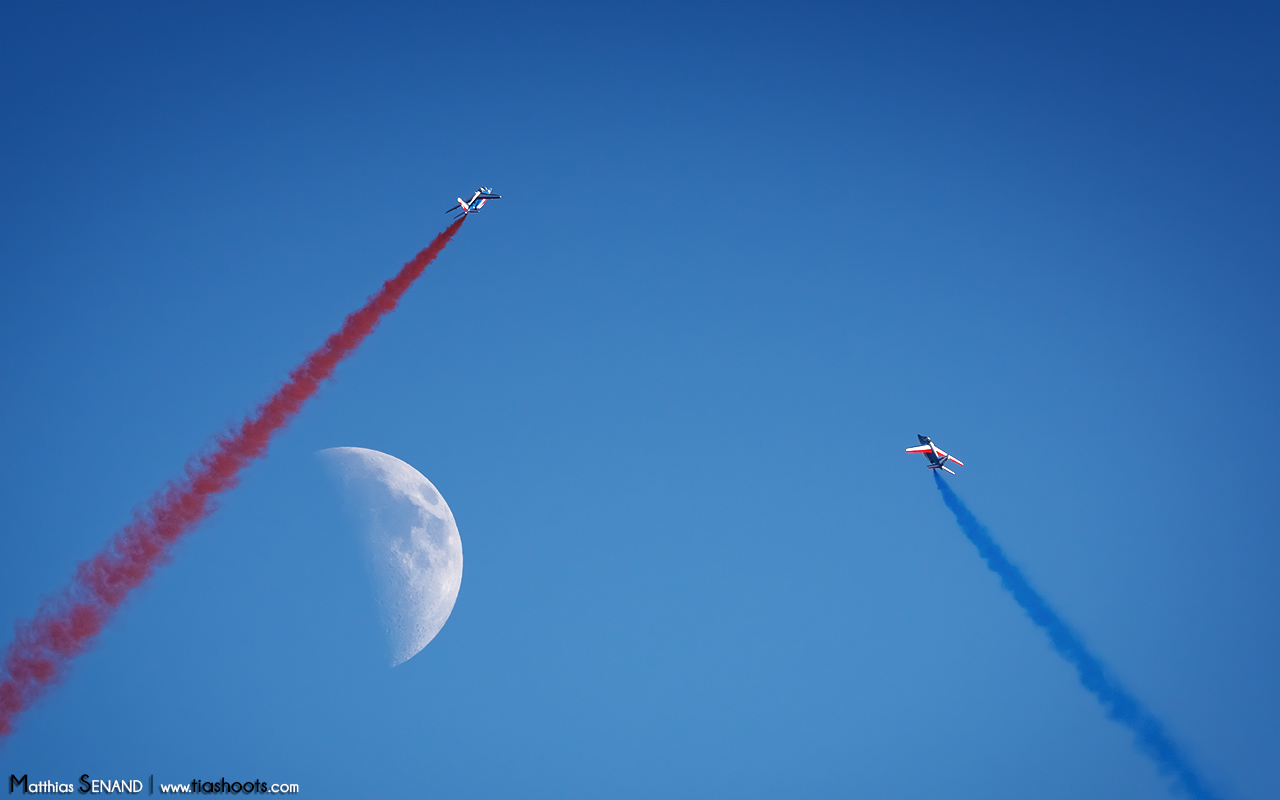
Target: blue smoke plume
column 1121, row 706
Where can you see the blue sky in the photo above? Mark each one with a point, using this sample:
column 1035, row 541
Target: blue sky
column 745, row 253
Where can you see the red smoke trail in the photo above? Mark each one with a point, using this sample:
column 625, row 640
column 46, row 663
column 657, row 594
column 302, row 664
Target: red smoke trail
column 65, row 624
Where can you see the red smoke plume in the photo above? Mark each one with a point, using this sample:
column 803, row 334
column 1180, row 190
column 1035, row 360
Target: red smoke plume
column 65, row 624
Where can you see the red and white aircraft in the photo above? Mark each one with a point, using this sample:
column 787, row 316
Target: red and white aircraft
column 477, row 201
column 937, row 458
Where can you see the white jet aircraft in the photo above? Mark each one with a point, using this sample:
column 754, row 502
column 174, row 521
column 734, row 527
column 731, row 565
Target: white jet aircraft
column 937, row 458
column 477, row 201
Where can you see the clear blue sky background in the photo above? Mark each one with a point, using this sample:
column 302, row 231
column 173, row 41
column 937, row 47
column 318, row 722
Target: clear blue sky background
column 745, row 254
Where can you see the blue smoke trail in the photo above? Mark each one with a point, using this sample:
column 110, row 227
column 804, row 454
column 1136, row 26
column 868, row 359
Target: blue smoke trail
column 1148, row 732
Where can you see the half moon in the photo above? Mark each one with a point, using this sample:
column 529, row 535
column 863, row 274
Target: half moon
column 410, row 541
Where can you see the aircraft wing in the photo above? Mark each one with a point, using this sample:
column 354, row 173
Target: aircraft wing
column 924, row 448
column 489, row 196
column 948, row 457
